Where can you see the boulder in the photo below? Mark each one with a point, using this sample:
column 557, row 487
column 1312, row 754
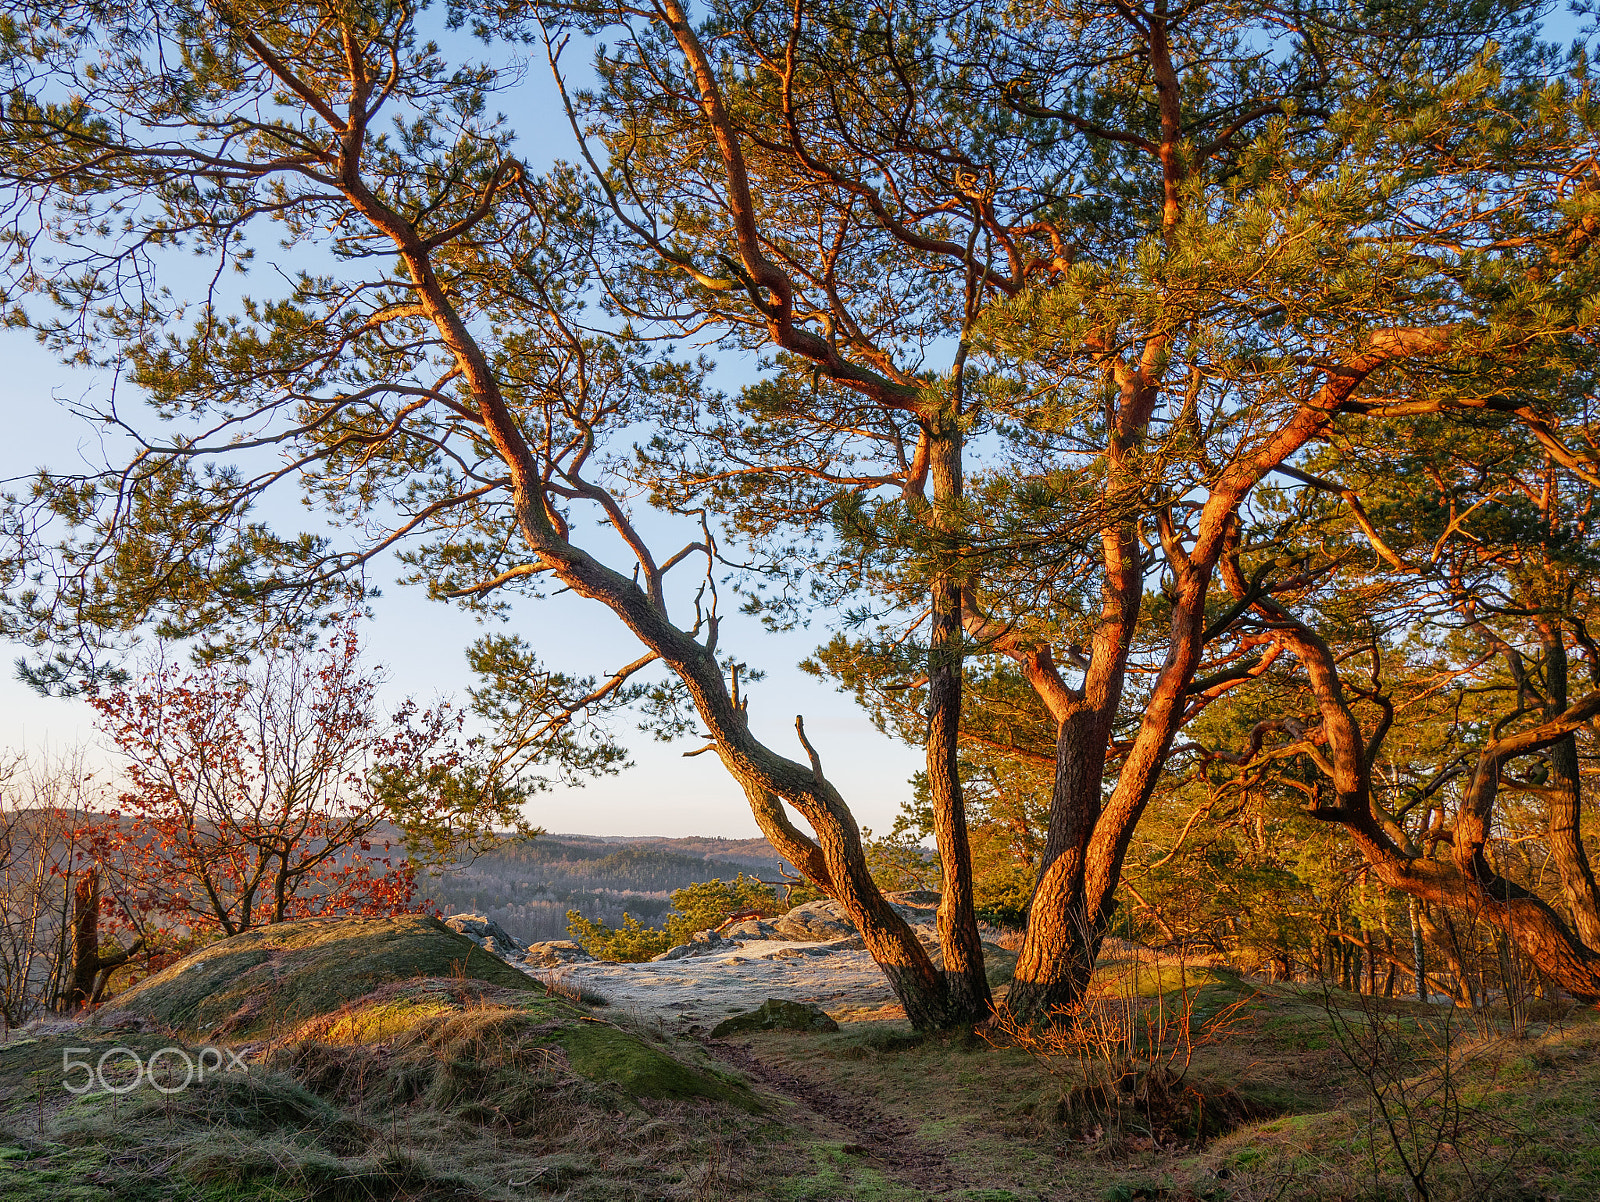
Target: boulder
column 487, row 934
column 825, row 920
column 776, row 1014
column 553, row 953
column 818, row 921
column 751, row 929
column 701, row 943
column 798, row 950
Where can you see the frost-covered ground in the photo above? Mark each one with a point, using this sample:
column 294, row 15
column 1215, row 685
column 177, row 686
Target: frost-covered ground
column 703, row 990
column 811, row 954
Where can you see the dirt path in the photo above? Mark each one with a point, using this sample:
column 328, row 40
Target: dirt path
column 885, row 1143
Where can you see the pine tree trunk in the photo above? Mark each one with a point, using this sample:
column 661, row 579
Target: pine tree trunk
column 919, row 986
column 1564, row 803
column 764, row 775
column 1058, row 952
column 1565, row 841
column 966, row 984
column 1418, row 955
column 1566, row 844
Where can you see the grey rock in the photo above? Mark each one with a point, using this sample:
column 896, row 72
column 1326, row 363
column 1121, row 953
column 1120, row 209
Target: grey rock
column 555, row 952
column 825, row 920
column 852, row 943
column 916, row 899
column 701, row 943
column 818, row 921
column 752, row 928
column 487, row 934
column 776, row 1014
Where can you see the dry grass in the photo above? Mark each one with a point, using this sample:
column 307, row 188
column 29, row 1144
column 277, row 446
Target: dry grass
column 456, row 1087
column 462, row 1099
column 1122, row 1057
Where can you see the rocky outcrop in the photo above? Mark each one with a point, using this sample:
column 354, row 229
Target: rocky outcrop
column 552, row 953
column 919, row 900
column 702, row 943
column 818, row 921
column 752, row 928
column 487, row 934
column 825, row 920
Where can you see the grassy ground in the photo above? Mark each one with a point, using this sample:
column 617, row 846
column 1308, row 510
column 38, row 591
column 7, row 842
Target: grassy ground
column 887, row 1117
column 446, row 1078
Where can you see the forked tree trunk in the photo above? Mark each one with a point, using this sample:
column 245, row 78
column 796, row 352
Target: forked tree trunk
column 1090, row 832
column 91, row 969
column 1063, row 937
column 1074, row 900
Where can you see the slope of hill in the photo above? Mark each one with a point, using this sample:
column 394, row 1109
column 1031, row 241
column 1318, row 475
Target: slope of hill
column 356, row 1061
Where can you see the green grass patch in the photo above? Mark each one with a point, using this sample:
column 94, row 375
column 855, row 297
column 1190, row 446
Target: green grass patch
column 835, row 1174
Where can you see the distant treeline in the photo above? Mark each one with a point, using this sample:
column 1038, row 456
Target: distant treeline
column 528, row 887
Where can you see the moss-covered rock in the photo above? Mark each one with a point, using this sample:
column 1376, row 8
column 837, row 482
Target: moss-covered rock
column 776, row 1014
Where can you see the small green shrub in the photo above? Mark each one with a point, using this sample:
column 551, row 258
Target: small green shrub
column 897, row 862
column 710, row 903
column 631, row 942
column 695, row 908
column 1001, row 895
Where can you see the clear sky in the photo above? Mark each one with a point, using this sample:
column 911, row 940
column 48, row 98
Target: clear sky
column 421, row 643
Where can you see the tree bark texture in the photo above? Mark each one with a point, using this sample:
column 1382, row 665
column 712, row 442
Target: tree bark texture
column 966, row 984
column 1564, row 802
column 85, row 939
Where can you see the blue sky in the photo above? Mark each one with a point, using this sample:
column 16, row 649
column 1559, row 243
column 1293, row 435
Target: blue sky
column 421, row 643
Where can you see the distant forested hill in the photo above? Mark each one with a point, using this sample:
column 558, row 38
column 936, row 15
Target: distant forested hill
column 529, row 886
